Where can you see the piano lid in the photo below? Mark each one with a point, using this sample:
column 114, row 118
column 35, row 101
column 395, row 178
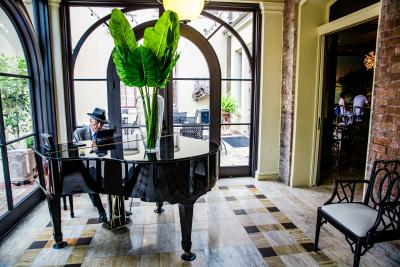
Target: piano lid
column 172, row 147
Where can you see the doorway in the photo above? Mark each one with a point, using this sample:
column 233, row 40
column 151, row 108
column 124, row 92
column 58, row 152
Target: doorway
column 346, row 100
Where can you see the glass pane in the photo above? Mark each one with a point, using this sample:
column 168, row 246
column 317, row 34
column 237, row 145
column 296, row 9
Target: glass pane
column 235, row 145
column 94, row 55
column 191, row 63
column 128, row 105
column 16, row 102
column 84, row 17
column 241, row 21
column 22, row 167
column 231, row 56
column 12, row 58
column 89, row 95
column 191, row 101
column 236, row 102
column 3, row 196
column 204, row 25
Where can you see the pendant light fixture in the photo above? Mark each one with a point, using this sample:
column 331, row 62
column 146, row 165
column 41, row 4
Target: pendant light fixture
column 187, row 10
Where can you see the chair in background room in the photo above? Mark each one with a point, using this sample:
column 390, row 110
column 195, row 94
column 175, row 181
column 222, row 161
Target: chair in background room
column 375, row 219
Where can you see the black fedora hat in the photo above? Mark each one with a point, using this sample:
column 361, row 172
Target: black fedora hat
column 99, row 115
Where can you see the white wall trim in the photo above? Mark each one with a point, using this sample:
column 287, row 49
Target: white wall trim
column 351, row 20
column 272, row 7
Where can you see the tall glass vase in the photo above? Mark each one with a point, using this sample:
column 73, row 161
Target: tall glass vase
column 150, row 112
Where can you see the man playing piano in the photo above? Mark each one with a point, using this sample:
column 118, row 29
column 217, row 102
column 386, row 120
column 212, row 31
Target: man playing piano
column 89, row 132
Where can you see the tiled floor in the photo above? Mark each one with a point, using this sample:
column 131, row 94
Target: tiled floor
column 240, row 223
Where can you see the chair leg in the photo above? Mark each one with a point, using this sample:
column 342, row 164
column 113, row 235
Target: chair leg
column 317, row 229
column 357, row 254
column 65, row 202
column 71, row 206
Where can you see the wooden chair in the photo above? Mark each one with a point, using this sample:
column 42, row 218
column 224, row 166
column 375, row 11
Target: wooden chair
column 376, row 219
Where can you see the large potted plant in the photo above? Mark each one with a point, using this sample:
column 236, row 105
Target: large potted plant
column 147, row 67
column 228, row 106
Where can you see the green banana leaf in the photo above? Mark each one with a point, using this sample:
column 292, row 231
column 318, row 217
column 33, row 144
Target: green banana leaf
column 121, row 31
column 152, row 63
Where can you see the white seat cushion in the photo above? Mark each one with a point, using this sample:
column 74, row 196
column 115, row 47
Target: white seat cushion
column 356, row 217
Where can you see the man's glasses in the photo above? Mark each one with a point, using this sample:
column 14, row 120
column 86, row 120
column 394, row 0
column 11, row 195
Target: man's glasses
column 98, row 122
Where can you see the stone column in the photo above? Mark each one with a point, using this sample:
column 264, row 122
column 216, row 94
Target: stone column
column 54, row 12
column 270, row 91
column 384, row 138
column 288, row 88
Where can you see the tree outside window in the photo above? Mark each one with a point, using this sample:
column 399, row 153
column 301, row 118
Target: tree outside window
column 15, row 97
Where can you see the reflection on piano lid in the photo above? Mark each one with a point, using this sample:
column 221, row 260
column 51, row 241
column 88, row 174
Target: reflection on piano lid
column 171, row 148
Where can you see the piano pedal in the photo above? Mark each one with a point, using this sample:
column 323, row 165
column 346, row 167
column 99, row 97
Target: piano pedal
column 116, row 223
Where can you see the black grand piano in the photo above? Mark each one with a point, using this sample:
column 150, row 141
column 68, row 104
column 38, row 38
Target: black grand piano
column 182, row 171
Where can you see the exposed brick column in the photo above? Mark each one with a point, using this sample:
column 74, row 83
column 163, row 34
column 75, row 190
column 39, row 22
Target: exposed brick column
column 384, row 142
column 288, row 86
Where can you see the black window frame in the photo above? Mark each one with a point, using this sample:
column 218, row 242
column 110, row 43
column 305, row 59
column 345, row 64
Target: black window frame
column 254, row 59
column 41, row 94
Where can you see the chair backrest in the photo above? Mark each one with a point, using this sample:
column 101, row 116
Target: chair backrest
column 179, row 117
column 48, row 142
column 358, row 114
column 384, row 184
column 193, row 131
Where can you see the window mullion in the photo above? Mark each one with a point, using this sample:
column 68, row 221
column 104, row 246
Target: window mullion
column 4, row 159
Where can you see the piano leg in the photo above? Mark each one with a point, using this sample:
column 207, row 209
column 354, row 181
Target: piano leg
column 186, row 218
column 55, row 214
column 159, row 208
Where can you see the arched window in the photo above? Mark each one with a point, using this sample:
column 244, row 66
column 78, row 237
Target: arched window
column 231, row 38
column 21, row 86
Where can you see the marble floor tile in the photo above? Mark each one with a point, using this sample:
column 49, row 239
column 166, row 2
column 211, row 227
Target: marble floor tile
column 299, row 260
column 138, row 214
column 234, row 256
column 218, row 210
column 166, row 237
column 50, row 256
column 263, row 218
column 222, row 233
column 251, row 204
column 278, row 238
column 274, row 261
column 170, row 215
column 118, row 242
column 119, row 261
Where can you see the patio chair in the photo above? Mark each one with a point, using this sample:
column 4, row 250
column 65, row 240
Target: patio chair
column 193, row 131
column 376, row 219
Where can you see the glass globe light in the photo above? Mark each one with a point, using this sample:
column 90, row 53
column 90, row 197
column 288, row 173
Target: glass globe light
column 187, row 10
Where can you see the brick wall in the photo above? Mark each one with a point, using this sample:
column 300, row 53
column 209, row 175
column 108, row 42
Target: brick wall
column 288, row 87
column 384, row 140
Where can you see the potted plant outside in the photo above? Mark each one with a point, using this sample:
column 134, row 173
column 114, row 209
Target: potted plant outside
column 228, row 106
